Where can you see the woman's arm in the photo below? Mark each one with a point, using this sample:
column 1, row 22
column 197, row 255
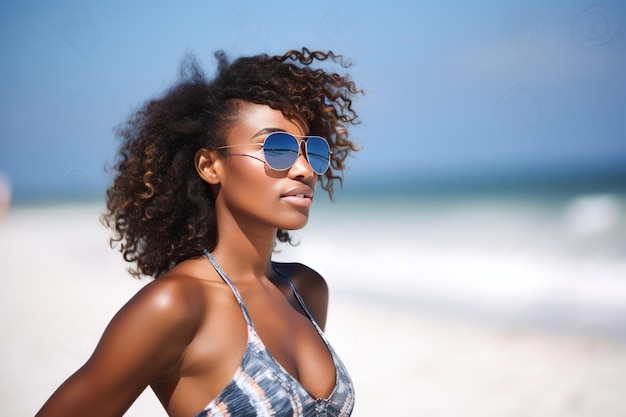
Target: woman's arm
column 145, row 337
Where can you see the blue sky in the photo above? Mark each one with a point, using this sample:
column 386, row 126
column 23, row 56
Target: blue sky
column 456, row 90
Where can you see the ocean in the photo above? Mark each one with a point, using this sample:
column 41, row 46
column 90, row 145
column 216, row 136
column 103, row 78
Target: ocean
column 551, row 260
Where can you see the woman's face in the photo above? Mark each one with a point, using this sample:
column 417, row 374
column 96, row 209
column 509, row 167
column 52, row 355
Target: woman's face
column 252, row 191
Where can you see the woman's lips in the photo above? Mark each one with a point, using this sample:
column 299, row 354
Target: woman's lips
column 300, row 195
column 301, row 191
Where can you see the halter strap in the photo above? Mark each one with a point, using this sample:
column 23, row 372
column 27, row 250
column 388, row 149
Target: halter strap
column 220, row 271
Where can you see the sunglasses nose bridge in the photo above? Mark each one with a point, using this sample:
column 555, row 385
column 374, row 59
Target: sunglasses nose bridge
column 301, row 148
column 301, row 164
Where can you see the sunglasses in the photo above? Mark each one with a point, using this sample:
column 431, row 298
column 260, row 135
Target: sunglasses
column 281, row 151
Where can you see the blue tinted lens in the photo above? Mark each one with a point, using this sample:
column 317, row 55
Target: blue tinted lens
column 280, row 150
column 318, row 154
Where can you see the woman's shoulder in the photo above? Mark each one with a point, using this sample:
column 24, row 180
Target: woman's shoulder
column 310, row 285
column 303, row 277
column 177, row 296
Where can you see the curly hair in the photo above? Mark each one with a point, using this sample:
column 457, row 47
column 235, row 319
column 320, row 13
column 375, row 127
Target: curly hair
column 160, row 210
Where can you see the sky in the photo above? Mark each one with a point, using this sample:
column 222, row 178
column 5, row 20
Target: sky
column 454, row 91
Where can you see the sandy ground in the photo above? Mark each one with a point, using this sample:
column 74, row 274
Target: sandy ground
column 437, row 346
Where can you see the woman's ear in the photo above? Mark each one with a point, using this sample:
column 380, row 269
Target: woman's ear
column 207, row 165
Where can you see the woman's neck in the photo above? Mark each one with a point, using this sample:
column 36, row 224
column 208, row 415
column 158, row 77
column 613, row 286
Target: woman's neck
column 245, row 252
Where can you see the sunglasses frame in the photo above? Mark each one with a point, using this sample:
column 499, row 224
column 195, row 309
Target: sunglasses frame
column 304, row 140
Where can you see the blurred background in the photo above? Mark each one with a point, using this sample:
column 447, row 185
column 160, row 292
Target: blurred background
column 476, row 253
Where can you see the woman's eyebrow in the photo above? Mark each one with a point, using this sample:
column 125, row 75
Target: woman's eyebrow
column 267, row 131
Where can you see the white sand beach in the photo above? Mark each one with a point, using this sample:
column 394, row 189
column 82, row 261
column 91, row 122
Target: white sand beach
column 480, row 310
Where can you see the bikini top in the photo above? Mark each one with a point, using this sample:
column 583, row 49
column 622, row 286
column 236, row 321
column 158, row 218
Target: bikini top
column 262, row 387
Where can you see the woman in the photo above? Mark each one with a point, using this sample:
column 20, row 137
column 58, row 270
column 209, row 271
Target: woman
column 209, row 176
